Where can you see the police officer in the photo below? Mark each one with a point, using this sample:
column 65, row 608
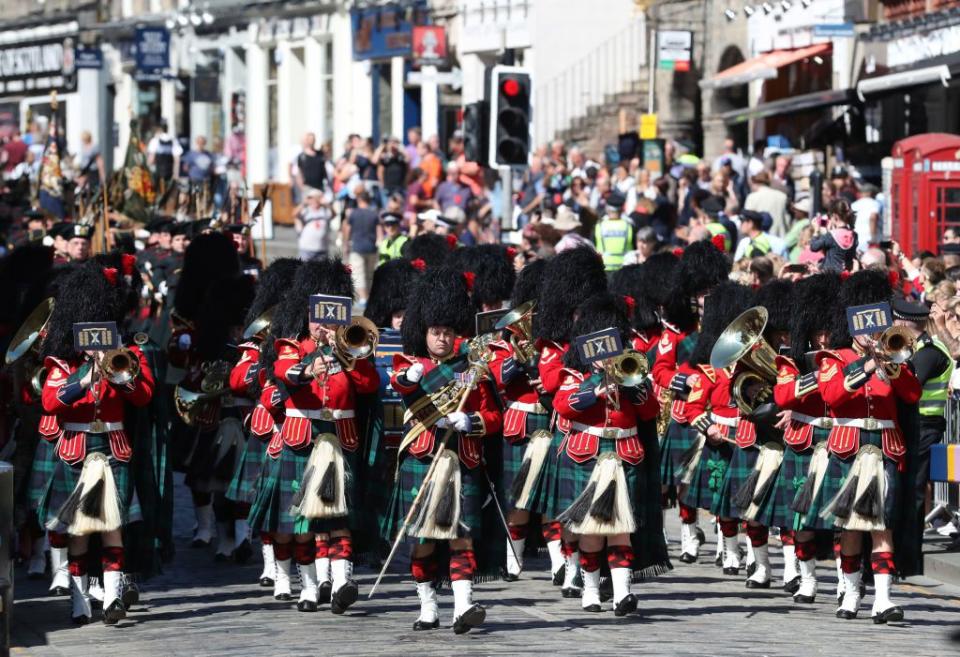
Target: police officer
column 614, row 234
column 393, row 239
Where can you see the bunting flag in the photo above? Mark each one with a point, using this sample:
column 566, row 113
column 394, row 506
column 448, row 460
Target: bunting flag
column 139, row 193
column 51, row 175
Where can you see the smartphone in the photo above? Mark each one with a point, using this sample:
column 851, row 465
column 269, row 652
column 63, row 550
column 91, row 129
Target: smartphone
column 795, row 268
column 886, row 245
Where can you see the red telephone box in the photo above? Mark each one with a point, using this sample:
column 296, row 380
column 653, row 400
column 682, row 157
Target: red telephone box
column 925, row 190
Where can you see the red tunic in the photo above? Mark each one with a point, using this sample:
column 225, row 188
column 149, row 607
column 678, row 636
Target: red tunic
column 857, row 399
column 710, row 403
column 519, row 396
column 481, row 406
column 76, row 408
column 593, row 418
column 667, row 371
column 798, row 393
column 332, row 398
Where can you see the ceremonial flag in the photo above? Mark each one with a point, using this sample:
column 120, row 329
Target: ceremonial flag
column 139, row 193
column 51, row 175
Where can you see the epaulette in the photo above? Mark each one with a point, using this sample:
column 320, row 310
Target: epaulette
column 788, row 374
column 827, row 353
column 250, row 345
column 499, row 344
column 670, row 327
column 570, row 372
column 709, row 372
column 52, row 360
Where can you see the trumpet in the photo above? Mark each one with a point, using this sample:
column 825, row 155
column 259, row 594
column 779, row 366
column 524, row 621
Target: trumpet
column 628, row 369
column 355, row 341
column 894, row 346
column 120, row 366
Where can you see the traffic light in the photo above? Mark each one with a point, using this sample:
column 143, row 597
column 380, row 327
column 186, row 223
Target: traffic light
column 475, row 126
column 510, row 115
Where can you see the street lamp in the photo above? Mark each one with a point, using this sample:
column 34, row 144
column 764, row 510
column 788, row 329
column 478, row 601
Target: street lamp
column 767, row 8
column 749, row 10
column 786, row 4
column 730, row 14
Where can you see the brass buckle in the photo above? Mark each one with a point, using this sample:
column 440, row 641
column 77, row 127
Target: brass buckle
column 610, row 434
column 98, row 426
column 827, row 423
column 871, row 424
column 327, row 414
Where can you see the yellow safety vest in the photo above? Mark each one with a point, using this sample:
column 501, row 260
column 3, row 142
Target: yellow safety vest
column 390, row 248
column 614, row 238
column 933, row 399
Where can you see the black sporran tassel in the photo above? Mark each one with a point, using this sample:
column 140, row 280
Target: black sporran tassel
column 844, row 503
column 298, row 496
column 604, row 508
column 869, row 504
column 689, row 455
column 744, row 496
column 92, row 502
column 580, row 507
column 68, row 511
column 328, row 485
column 764, row 488
column 804, row 499
column 420, row 509
column 521, row 479
column 445, row 507
column 224, row 469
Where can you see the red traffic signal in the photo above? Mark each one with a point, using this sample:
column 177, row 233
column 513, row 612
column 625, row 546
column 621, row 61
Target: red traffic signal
column 511, row 87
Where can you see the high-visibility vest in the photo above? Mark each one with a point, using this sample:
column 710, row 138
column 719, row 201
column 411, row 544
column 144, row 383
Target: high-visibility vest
column 759, row 246
column 716, row 228
column 389, row 249
column 614, row 238
column 933, row 400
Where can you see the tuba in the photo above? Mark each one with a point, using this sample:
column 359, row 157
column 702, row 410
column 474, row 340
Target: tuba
column 191, row 404
column 258, row 328
column 742, row 341
column 519, row 322
column 355, row 341
column 25, row 346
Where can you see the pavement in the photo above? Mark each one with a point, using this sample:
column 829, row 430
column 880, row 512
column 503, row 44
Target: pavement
column 198, row 608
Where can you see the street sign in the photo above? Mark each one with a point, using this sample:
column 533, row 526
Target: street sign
column 153, row 52
column 674, row 49
column 834, row 31
column 89, row 57
column 648, row 126
column 452, row 78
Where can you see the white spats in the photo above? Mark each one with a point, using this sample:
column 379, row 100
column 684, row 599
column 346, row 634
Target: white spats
column 790, row 570
column 840, row 582
column 95, row 590
column 323, row 569
column 308, row 582
column 205, row 520
column 761, row 558
column 112, row 586
column 591, row 589
column 80, row 596
column 731, row 552
column 808, row 580
column 462, row 596
column 851, row 595
column 281, row 583
column 224, row 541
column 556, row 555
column 59, row 568
column 269, row 561
column 881, row 600
column 571, row 568
column 689, row 541
column 515, row 555
column 429, row 612
column 342, row 570
column 620, row 577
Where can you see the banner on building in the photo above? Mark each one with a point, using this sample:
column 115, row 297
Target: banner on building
column 386, row 31
column 89, row 57
column 39, row 66
column 152, row 52
column 429, row 45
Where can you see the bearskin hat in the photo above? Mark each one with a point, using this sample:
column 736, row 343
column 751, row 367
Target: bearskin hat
column 777, row 297
column 601, row 311
column 529, row 282
column 275, row 282
column 25, row 275
column 323, row 276
column 391, row 290
column 863, row 287
column 224, row 308
column 658, row 275
column 721, row 307
column 88, row 293
column 702, row 266
column 210, row 257
column 440, row 298
column 816, row 305
column 631, row 281
column 568, row 280
column 492, row 266
column 433, row 249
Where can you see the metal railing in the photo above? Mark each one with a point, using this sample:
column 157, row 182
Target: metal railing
column 613, row 67
column 946, row 495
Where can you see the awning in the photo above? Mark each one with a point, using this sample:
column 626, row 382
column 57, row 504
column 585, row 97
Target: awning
column 912, row 78
column 764, row 67
column 811, row 101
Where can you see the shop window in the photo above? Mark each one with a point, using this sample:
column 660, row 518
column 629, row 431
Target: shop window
column 327, row 81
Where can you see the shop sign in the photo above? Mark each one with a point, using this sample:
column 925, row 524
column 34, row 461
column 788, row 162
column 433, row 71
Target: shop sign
column 386, row 31
column 89, row 57
column 153, row 52
column 40, row 66
column 835, row 31
column 674, row 49
column 429, row 45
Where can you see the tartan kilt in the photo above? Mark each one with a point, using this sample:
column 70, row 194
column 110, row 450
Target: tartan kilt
column 64, row 477
column 543, row 498
column 198, row 464
column 741, row 465
column 790, row 479
column 572, row 479
column 381, row 482
column 678, row 439
column 707, row 482
column 836, row 475
column 243, row 486
column 44, row 462
column 281, row 480
column 513, row 459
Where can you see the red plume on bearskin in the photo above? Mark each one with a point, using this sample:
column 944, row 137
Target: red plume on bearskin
column 844, row 275
column 128, row 264
column 631, row 303
column 110, row 273
column 894, row 277
column 469, row 277
column 419, row 264
column 347, row 268
column 719, row 242
column 511, row 253
column 678, row 251
column 452, row 241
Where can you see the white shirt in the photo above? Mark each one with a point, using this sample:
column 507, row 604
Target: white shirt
column 863, row 208
column 154, row 145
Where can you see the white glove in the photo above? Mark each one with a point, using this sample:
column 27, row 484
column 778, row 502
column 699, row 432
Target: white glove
column 460, row 421
column 442, row 423
column 414, row 372
column 184, row 341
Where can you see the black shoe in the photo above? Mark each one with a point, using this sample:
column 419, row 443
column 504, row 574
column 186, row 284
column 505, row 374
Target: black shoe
column 80, row 620
column 36, row 576
column 508, row 576
column 344, row 597
column 792, row 586
column 471, row 618
column 846, row 615
column 687, row 558
column 731, row 571
column 571, row 592
column 626, row 606
column 420, row 626
column 221, row 558
column 606, row 589
column 804, row 599
column 306, row 605
column 891, row 615
column 130, row 595
column 113, row 613
column 323, row 593
column 265, row 582
column 243, row 552
column 754, row 584
column 718, row 562
column 594, row 609
column 283, row 597
column 558, row 576
column 59, row 590
column 197, row 543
